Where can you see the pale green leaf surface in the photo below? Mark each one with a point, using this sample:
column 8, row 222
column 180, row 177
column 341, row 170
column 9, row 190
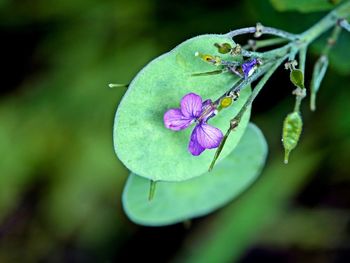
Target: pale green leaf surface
column 142, row 142
column 304, row 6
column 176, row 202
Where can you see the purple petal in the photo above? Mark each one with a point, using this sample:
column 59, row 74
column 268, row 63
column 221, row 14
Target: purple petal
column 248, row 67
column 206, row 103
column 194, row 147
column 208, row 110
column 174, row 120
column 191, row 105
column 208, row 136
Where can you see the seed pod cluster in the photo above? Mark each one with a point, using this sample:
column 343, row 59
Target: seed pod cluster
column 292, row 127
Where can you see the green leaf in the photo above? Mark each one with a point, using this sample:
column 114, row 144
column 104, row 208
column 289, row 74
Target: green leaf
column 304, row 6
column 142, row 142
column 297, row 78
column 176, row 202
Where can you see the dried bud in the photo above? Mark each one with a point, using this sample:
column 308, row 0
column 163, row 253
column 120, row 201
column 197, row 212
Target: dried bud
column 259, row 29
column 291, row 64
column 237, row 50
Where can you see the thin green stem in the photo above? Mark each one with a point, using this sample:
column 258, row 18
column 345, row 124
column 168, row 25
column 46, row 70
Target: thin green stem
column 264, row 31
column 152, row 190
column 235, row 121
column 244, row 82
column 332, row 40
column 322, row 64
column 302, row 58
column 298, row 43
column 301, row 92
column 318, row 74
column 256, row 44
column 326, row 23
column 270, row 57
column 258, row 88
column 309, row 35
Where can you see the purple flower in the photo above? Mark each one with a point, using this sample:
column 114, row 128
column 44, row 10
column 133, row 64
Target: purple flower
column 249, row 67
column 192, row 109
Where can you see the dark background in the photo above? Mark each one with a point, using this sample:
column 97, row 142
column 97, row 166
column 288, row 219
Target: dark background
column 61, row 184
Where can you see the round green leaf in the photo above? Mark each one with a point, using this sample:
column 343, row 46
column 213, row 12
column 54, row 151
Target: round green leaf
column 142, row 142
column 176, row 202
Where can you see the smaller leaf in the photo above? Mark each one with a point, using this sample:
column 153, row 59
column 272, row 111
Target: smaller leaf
column 292, row 127
column 297, row 78
column 181, row 201
column 318, row 74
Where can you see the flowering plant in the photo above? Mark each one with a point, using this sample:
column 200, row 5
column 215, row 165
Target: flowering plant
column 151, row 136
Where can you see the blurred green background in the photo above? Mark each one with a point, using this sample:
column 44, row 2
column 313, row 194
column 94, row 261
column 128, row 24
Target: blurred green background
column 61, row 183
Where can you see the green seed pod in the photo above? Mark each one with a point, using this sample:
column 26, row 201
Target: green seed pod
column 318, row 74
column 292, row 127
column 297, row 78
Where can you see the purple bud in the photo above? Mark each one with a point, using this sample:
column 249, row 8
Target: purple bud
column 249, row 67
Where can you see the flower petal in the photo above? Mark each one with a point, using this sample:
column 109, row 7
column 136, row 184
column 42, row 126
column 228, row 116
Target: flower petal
column 191, row 105
column 208, row 136
column 174, row 120
column 248, row 67
column 194, row 147
column 208, row 110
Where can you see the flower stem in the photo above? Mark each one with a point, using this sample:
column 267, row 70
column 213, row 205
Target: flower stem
column 256, row 44
column 301, row 93
column 326, row 23
column 298, row 43
column 152, row 190
column 235, row 121
column 264, row 30
column 332, row 40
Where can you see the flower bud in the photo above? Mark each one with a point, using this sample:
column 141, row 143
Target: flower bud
column 297, row 78
column 226, row 102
